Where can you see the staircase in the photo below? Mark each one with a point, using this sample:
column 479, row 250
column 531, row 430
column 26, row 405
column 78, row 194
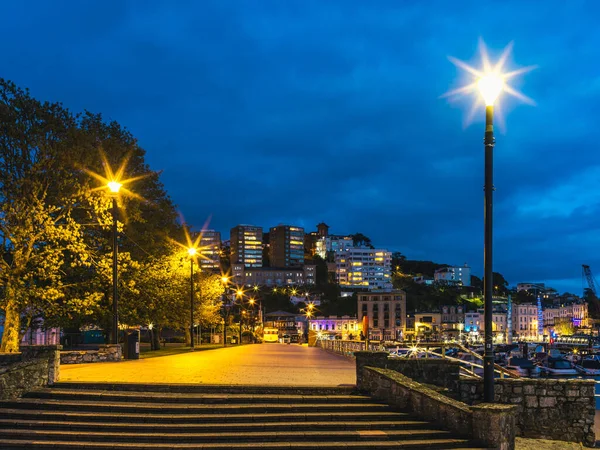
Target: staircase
column 131, row 416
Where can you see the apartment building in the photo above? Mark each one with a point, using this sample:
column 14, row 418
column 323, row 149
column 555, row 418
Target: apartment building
column 454, row 275
column 210, row 250
column 286, row 246
column 364, row 268
column 246, row 245
column 385, row 314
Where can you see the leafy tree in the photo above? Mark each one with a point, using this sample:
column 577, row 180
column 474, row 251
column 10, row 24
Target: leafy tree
column 38, row 191
column 360, row 240
column 564, row 328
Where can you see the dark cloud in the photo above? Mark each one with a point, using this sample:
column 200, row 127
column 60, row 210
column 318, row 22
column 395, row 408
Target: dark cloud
column 304, row 111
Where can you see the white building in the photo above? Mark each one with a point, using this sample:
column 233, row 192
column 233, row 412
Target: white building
column 531, row 287
column 459, row 275
column 333, row 244
column 525, row 320
column 334, row 327
column 365, row 268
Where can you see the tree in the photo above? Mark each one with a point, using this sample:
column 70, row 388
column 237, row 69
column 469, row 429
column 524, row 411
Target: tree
column 360, row 240
column 39, row 191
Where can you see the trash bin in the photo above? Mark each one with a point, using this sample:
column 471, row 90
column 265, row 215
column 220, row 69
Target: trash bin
column 132, row 344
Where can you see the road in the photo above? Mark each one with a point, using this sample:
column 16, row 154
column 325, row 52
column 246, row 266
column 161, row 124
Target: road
column 258, row 364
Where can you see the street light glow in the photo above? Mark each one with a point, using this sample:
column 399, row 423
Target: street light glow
column 490, row 87
column 225, row 279
column 489, row 81
column 192, row 251
column 114, row 186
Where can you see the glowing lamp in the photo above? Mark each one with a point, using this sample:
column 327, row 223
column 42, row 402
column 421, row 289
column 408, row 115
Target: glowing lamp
column 224, row 279
column 114, row 186
column 490, row 87
column 192, row 251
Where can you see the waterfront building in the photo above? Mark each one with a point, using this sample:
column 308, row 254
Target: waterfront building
column 286, row 324
column 428, row 325
column 525, row 321
column 359, row 267
column 286, row 246
column 327, row 244
column 334, row 327
column 454, row 275
column 453, row 321
column 246, row 245
column 210, row 250
column 385, row 314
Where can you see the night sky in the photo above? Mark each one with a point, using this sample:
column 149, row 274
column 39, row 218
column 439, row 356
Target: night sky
column 267, row 112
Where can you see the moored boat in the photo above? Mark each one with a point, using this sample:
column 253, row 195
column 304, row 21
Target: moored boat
column 589, row 365
column 524, row 367
column 558, row 367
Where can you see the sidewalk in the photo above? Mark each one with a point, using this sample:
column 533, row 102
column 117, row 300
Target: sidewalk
column 543, row 444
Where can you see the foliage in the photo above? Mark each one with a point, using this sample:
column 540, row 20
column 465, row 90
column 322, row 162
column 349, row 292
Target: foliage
column 54, row 221
column 360, row 240
column 564, row 328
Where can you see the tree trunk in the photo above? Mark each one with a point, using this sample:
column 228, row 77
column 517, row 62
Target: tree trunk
column 155, row 342
column 188, row 337
column 12, row 325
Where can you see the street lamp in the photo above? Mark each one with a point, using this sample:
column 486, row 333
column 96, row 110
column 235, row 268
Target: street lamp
column 240, row 294
column 114, row 187
column 489, row 82
column 225, row 281
column 192, row 251
column 490, row 86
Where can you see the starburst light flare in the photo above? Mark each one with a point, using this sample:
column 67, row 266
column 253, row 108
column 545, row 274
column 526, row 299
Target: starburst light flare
column 490, row 81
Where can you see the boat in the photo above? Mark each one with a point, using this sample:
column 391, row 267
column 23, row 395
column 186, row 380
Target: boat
column 590, row 365
column 524, row 367
column 558, row 367
column 469, row 360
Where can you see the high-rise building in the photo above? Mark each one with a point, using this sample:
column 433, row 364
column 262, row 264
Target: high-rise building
column 286, row 246
column 364, row 268
column 210, row 249
column 246, row 245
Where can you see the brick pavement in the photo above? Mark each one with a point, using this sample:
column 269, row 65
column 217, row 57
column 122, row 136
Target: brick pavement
column 258, row 364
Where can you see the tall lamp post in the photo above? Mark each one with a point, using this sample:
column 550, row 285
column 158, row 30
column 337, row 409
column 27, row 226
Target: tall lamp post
column 240, row 294
column 225, row 280
column 490, row 82
column 192, row 252
column 114, row 187
column 490, row 87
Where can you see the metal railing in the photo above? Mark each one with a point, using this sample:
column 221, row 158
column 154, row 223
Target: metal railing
column 347, row 348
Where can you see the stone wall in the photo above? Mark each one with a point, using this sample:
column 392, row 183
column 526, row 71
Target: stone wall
column 547, row 408
column 104, row 353
column 437, row 371
column 491, row 425
column 33, row 367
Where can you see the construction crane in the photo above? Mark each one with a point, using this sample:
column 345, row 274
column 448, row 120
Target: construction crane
column 587, row 274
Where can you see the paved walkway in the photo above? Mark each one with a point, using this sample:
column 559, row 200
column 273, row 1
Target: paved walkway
column 258, row 364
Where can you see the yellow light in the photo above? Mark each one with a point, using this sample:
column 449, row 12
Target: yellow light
column 192, row 251
column 255, row 288
column 310, row 306
column 114, row 186
column 224, row 279
column 294, row 292
column 239, row 292
column 251, row 301
column 490, row 87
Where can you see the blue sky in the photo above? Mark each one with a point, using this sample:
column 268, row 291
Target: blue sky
column 268, row 112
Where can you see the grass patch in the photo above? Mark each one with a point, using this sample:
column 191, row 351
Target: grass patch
column 175, row 350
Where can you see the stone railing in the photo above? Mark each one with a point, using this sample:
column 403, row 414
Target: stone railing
column 492, row 425
column 561, row 410
column 104, row 353
column 546, row 409
column 33, row 367
column 437, row 371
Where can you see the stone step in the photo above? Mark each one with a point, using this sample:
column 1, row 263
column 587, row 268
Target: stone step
column 176, row 428
column 138, row 417
column 195, row 398
column 231, row 437
column 186, row 408
column 208, row 388
column 430, row 444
